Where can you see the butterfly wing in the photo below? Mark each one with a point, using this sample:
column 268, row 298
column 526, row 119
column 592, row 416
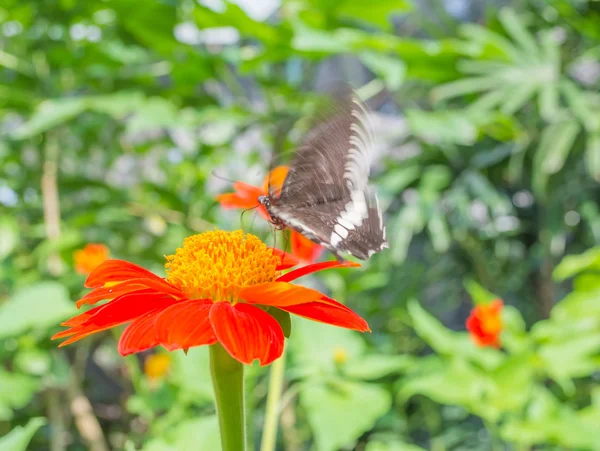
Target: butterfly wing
column 330, row 225
column 335, row 158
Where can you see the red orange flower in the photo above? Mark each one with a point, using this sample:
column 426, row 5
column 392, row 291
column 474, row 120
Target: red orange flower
column 88, row 258
column 485, row 324
column 246, row 196
column 220, row 287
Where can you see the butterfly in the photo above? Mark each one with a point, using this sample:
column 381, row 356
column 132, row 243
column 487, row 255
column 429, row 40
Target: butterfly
column 325, row 195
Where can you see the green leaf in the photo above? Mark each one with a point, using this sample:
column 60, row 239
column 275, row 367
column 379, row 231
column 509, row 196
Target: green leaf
column 390, row 69
column 16, row 390
column 564, row 134
column 19, row 437
column 200, row 434
column 339, row 413
column 517, row 31
column 191, row 373
column 375, row 366
column 316, row 345
column 430, row 329
column 442, row 127
column 572, row 265
column 50, row 114
column 283, row 318
column 37, row 307
column 478, row 293
column 395, row 445
column 592, row 155
column 378, row 13
column 9, row 236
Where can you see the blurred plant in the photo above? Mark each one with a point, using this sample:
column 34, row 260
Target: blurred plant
column 513, row 392
column 90, row 257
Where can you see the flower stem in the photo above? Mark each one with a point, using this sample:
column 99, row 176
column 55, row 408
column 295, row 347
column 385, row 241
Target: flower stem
column 269, row 438
column 228, row 383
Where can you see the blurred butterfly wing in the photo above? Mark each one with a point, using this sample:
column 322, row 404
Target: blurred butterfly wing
column 325, row 225
column 334, row 160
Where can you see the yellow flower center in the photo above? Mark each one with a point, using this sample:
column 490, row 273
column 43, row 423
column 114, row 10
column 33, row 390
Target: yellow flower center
column 340, row 356
column 217, row 265
column 157, row 365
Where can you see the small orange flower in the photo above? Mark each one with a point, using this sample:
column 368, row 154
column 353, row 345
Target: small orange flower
column 485, row 324
column 220, row 287
column 157, row 365
column 88, row 258
column 246, row 196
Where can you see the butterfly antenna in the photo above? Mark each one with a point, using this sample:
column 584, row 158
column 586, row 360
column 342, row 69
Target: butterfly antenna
column 253, row 219
column 220, row 177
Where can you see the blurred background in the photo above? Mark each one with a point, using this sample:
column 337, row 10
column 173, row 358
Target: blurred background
column 114, row 114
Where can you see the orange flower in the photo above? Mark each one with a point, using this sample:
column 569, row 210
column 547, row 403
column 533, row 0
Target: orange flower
column 88, row 258
column 157, row 365
column 220, row 287
column 246, row 196
column 485, row 324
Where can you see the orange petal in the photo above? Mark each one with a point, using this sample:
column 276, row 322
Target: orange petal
column 247, row 332
column 304, row 249
column 309, row 269
column 279, row 294
column 139, row 335
column 117, row 271
column 121, row 310
column 245, row 196
column 336, row 315
column 185, row 324
column 113, row 291
column 287, row 260
column 274, row 180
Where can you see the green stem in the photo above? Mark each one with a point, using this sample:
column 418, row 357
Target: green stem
column 269, row 438
column 228, row 383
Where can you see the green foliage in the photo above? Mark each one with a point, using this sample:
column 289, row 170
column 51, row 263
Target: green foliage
column 119, row 124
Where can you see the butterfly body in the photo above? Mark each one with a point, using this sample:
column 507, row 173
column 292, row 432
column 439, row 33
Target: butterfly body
column 325, row 196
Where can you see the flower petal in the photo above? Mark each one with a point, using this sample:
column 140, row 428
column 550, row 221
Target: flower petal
column 245, row 196
column 279, row 294
column 139, row 335
column 304, row 249
column 185, row 324
column 247, row 332
column 336, row 315
column 287, row 260
column 117, row 271
column 309, row 269
column 131, row 285
column 118, row 311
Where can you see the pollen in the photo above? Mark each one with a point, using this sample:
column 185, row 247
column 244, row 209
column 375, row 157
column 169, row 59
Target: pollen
column 218, row 264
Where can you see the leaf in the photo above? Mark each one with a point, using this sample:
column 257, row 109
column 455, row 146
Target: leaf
column 564, row 134
column 316, row 345
column 36, row 307
column 50, row 114
column 430, row 329
column 16, row 390
column 9, row 236
column 200, row 434
column 592, row 155
column 395, row 445
column 191, row 373
column 572, row 265
column 389, row 68
column 340, row 413
column 478, row 293
column 283, row 318
column 374, row 366
column 442, row 127
column 378, row 13
column 517, row 31
column 19, row 437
